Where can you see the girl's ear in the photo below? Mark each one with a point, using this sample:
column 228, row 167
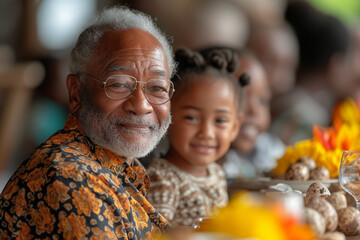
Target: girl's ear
column 73, row 85
column 236, row 126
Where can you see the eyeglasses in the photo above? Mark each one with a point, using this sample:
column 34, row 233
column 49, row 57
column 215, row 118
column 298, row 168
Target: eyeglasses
column 120, row 86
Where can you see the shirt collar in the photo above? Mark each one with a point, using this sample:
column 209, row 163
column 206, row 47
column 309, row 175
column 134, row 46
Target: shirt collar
column 135, row 173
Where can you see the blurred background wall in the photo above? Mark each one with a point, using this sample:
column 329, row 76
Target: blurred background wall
column 36, row 37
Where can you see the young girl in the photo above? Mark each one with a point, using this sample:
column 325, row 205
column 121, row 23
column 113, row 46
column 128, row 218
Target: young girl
column 187, row 184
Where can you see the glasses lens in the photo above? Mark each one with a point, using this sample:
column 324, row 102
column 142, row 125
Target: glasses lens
column 158, row 91
column 120, row 86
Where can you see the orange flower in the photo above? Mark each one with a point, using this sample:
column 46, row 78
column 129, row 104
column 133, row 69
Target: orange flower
column 293, row 228
column 347, row 111
column 248, row 217
column 326, row 136
column 328, row 143
column 348, row 137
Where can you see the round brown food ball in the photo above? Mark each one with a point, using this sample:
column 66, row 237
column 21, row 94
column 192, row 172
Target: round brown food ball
column 332, row 236
column 337, row 200
column 327, row 211
column 315, row 220
column 297, row 171
column 308, row 161
column 316, row 189
column 349, row 220
column 319, row 173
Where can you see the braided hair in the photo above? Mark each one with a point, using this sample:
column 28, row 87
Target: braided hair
column 220, row 62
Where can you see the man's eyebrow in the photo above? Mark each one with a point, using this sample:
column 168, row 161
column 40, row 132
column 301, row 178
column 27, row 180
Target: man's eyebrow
column 116, row 68
column 159, row 72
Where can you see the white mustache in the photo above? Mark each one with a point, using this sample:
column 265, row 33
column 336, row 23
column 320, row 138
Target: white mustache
column 137, row 120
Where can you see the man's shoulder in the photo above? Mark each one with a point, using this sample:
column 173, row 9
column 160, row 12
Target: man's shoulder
column 66, row 138
column 63, row 151
column 59, row 159
column 64, row 145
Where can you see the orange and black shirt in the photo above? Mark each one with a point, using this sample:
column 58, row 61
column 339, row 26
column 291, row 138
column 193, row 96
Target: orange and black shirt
column 70, row 188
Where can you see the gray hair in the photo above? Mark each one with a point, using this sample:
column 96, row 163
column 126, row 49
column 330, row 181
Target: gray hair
column 115, row 18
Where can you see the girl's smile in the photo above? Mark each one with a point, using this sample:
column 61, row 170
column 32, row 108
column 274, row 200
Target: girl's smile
column 205, row 121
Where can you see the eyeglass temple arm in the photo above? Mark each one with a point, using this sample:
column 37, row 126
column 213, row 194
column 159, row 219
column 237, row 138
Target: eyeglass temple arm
column 88, row 76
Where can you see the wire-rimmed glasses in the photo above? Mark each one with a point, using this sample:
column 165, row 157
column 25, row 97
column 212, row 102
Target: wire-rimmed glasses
column 121, row 86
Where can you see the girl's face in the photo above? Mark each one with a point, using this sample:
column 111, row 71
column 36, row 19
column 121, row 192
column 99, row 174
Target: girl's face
column 205, row 121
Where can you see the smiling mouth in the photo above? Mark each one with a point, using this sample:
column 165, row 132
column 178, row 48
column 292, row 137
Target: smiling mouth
column 134, row 127
column 203, row 149
column 249, row 131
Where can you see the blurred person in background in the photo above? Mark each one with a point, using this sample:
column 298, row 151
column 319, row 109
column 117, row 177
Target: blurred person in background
column 199, row 24
column 324, row 75
column 213, row 23
column 254, row 151
column 263, row 13
column 277, row 49
column 355, row 34
column 85, row 182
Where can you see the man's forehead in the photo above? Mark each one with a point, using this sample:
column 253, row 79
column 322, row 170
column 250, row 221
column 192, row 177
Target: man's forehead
column 131, row 44
column 154, row 58
column 129, row 39
column 155, row 70
column 156, row 52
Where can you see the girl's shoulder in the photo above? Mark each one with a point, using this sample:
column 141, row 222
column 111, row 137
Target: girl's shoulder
column 161, row 168
column 161, row 165
column 216, row 169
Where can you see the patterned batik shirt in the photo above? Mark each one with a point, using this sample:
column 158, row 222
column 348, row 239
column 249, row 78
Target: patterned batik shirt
column 183, row 198
column 70, row 188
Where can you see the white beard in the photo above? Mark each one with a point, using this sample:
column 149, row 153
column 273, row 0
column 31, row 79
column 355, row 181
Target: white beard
column 107, row 132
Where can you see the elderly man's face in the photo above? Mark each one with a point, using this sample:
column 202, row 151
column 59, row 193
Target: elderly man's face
column 130, row 127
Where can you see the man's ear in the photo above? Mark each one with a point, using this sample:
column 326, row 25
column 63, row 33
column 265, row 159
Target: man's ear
column 236, row 127
column 73, row 85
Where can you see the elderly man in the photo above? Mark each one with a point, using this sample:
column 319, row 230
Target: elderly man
column 85, row 181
